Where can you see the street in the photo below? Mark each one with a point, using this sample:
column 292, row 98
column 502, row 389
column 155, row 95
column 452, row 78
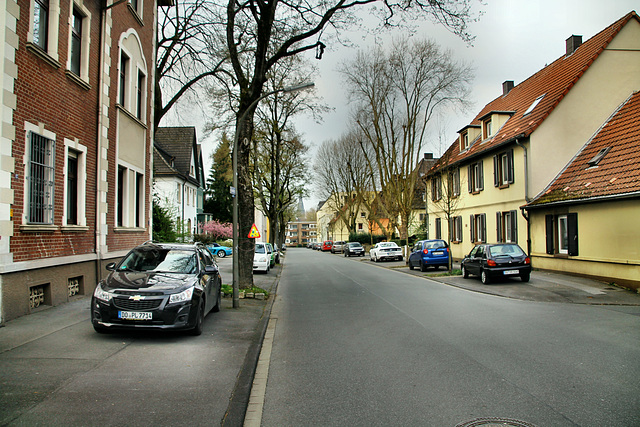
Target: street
column 357, row 344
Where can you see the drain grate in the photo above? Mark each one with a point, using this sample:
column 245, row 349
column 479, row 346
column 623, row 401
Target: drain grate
column 495, row 422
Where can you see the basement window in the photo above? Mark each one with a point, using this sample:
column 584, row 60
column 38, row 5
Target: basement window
column 598, row 157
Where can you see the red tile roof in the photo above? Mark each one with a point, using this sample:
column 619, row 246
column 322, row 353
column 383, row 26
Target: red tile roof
column 554, row 82
column 617, row 174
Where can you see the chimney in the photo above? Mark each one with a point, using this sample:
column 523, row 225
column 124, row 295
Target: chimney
column 428, row 156
column 506, row 87
column 573, row 43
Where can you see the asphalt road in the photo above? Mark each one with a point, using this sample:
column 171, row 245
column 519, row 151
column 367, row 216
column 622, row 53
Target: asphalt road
column 360, row 345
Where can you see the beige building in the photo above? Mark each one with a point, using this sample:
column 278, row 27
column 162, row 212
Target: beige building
column 518, row 143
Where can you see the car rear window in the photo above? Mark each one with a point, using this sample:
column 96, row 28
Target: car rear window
column 434, row 245
column 260, row 249
column 510, row 250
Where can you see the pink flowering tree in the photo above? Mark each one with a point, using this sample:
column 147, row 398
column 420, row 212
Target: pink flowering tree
column 217, row 230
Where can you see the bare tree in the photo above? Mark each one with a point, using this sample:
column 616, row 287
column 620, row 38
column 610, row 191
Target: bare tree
column 396, row 95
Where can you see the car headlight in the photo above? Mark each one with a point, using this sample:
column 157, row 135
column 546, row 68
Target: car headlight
column 101, row 294
column 182, row 296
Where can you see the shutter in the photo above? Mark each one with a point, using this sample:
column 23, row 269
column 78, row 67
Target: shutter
column 496, row 171
column 483, row 228
column 548, row 219
column 470, row 178
column 572, row 231
column 459, row 227
column 481, row 176
column 510, row 177
column 514, row 226
column 472, row 229
column 498, row 225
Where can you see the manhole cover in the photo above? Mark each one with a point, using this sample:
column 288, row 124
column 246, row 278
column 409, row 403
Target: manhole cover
column 495, row 422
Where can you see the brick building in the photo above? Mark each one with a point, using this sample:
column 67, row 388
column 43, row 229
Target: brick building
column 75, row 146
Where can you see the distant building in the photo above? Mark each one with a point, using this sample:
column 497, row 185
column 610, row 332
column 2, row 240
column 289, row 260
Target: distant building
column 300, row 233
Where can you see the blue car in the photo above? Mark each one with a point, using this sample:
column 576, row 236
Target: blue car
column 219, row 250
column 429, row 253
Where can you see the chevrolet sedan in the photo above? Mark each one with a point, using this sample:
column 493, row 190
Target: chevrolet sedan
column 492, row 261
column 385, row 250
column 158, row 286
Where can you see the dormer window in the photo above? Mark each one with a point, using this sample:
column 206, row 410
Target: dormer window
column 464, row 141
column 486, row 128
column 598, row 157
column 533, row 105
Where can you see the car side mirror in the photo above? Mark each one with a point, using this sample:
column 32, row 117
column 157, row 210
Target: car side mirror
column 111, row 266
column 211, row 269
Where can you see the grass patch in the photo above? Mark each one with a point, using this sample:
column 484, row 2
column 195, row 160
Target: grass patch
column 454, row 272
column 227, row 290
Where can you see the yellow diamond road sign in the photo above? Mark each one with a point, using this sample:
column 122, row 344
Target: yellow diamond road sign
column 254, row 233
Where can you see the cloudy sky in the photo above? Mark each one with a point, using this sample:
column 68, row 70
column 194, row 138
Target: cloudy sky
column 513, row 40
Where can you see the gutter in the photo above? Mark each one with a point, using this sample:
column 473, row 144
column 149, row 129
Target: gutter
column 597, row 199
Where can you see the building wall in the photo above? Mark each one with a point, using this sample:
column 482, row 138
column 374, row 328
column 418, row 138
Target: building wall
column 608, row 236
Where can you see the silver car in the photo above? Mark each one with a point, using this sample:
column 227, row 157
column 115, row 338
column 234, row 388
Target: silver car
column 338, row 246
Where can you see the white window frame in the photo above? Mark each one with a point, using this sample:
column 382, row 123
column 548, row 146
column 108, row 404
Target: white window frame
column 563, row 237
column 129, row 196
column 82, row 179
column 39, row 130
column 85, row 39
column 53, row 28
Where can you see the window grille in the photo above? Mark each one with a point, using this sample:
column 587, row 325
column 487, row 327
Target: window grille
column 41, row 183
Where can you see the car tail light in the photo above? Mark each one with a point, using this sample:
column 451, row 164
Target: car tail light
column 527, row 260
column 491, row 263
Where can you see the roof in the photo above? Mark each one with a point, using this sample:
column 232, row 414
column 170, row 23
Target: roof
column 175, row 150
column 591, row 176
column 552, row 82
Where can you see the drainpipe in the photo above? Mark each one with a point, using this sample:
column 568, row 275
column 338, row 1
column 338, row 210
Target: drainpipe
column 98, row 201
column 526, row 193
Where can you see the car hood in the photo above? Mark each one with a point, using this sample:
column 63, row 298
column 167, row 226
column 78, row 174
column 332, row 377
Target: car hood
column 147, row 281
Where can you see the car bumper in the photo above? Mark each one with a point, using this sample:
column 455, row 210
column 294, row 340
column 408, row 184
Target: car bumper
column 509, row 271
column 261, row 266
column 392, row 255
column 436, row 260
column 164, row 316
column 354, row 252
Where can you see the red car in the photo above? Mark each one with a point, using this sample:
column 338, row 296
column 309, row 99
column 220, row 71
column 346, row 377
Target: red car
column 327, row 245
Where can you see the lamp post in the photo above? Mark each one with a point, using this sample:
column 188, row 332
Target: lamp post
column 234, row 191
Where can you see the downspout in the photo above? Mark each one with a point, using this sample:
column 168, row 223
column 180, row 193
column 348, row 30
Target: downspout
column 103, row 29
column 526, row 193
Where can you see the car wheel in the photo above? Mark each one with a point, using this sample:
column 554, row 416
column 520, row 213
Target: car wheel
column 197, row 329
column 525, row 277
column 410, row 266
column 400, row 258
column 221, row 253
column 484, row 277
column 465, row 273
column 423, row 266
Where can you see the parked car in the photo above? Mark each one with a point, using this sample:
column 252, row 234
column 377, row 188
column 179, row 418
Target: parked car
column 158, row 285
column 220, row 251
column 338, row 246
column 272, row 255
column 326, row 245
column 261, row 258
column 490, row 261
column 385, row 250
column 353, row 248
column 429, row 253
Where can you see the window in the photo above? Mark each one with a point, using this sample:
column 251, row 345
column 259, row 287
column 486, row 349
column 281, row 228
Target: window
column 562, row 234
column 503, row 169
column 140, row 101
column 122, row 175
column 76, row 41
column 454, row 183
column 598, row 157
column 436, row 188
column 455, row 225
column 360, row 226
column 72, row 188
column 475, row 177
column 41, row 179
column 41, row 24
column 139, row 199
column 438, row 228
column 507, row 227
column 486, row 127
column 124, row 79
column 464, row 141
column 478, row 227
column 533, row 105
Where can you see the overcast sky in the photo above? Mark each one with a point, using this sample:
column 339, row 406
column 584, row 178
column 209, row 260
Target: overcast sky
column 513, row 40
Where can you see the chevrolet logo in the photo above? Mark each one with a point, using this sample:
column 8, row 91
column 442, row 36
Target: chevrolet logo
column 136, row 297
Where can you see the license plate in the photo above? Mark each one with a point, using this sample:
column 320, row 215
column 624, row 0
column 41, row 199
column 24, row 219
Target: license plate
column 438, row 253
column 135, row 315
column 511, row 272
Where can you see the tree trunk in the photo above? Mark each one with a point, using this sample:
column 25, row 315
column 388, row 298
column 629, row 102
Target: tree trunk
column 244, row 192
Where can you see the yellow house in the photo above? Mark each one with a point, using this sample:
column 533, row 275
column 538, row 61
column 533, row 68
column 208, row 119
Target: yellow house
column 586, row 221
column 333, row 213
column 520, row 141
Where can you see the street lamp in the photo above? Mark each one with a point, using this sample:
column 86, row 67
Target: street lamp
column 234, row 191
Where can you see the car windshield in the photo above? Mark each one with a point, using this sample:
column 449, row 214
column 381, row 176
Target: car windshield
column 159, row 259
column 260, row 248
column 355, row 245
column 434, row 245
column 505, row 250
